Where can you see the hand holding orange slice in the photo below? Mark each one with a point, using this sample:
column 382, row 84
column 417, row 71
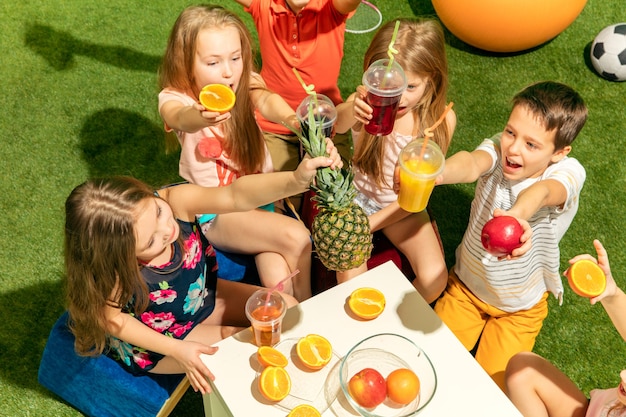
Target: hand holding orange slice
column 217, row 97
column 314, row 351
column 367, row 303
column 268, row 356
column 274, row 383
column 586, row 278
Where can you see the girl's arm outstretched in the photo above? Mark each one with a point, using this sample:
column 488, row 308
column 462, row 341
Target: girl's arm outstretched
column 249, row 191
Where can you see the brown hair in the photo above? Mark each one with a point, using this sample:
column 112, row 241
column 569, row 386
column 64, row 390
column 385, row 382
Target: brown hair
column 243, row 140
column 101, row 265
column 421, row 46
column 558, row 107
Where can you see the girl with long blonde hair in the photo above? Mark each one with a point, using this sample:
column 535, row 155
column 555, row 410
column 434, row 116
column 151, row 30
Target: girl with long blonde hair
column 421, row 53
column 211, row 45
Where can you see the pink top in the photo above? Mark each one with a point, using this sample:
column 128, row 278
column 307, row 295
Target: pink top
column 381, row 196
column 206, row 165
column 311, row 41
column 602, row 400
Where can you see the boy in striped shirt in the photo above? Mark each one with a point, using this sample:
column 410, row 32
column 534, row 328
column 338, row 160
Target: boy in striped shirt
column 495, row 305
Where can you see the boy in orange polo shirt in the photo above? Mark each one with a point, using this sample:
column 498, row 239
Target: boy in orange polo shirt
column 307, row 35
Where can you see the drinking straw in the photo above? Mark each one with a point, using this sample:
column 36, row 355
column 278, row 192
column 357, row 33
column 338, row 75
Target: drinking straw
column 391, row 51
column 428, row 132
column 279, row 285
column 310, row 89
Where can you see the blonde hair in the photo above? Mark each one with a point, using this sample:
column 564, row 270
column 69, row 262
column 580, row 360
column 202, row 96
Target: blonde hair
column 101, row 267
column 243, row 140
column 421, row 51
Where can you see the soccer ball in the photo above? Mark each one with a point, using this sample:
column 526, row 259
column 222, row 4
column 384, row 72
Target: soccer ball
column 608, row 52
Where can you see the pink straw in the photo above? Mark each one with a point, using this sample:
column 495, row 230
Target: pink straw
column 279, row 285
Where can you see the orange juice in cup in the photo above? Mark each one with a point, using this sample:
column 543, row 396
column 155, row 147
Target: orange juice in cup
column 266, row 313
column 420, row 163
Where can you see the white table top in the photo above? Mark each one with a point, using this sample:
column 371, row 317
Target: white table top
column 463, row 388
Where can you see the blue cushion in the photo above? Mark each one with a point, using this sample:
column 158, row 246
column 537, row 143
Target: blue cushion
column 99, row 386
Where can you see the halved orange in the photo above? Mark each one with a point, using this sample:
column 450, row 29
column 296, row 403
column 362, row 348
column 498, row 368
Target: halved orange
column 268, row 356
column 274, row 383
column 586, row 278
column 367, row 303
column 217, row 97
column 314, row 351
column 304, row 410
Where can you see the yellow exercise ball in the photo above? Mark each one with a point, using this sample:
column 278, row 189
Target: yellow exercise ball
column 507, row 25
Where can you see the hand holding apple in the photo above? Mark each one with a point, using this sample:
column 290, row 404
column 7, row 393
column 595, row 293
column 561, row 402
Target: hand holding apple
column 501, row 235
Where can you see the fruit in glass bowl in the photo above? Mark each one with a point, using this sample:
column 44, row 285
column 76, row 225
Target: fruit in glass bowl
column 368, row 387
column 385, row 353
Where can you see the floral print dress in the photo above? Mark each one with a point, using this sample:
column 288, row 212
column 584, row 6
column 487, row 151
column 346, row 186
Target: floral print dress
column 182, row 294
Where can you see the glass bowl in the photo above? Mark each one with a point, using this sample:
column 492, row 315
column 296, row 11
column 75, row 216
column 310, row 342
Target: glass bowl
column 386, row 352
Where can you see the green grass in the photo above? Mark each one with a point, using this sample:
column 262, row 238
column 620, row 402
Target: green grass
column 79, row 99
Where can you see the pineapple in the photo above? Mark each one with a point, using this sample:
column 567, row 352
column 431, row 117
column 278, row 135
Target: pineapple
column 340, row 230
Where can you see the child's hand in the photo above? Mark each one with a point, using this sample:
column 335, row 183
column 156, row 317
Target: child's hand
column 525, row 238
column 361, row 110
column 308, row 167
column 212, row 118
column 188, row 357
column 603, row 263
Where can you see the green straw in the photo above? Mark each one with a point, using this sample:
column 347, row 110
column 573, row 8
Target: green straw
column 391, row 51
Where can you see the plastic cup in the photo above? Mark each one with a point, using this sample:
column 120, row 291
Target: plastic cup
column 266, row 317
column 324, row 112
column 385, row 86
column 418, row 174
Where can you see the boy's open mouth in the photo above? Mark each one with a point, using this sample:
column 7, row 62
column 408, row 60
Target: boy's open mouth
column 511, row 164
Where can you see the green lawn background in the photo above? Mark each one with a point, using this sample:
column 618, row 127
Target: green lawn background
column 78, row 99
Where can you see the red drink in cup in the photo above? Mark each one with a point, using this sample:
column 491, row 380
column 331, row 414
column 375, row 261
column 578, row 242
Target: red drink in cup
column 383, row 114
column 385, row 85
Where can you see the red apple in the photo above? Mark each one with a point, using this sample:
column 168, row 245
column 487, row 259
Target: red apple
column 501, row 235
column 368, row 388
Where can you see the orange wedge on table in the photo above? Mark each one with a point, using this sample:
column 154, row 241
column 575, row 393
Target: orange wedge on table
column 304, row 410
column 268, row 356
column 314, row 351
column 274, row 383
column 586, row 278
column 367, row 303
column 217, row 97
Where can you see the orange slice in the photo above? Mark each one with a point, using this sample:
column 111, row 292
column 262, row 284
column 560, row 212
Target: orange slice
column 586, row 278
column 268, row 356
column 367, row 303
column 304, row 410
column 217, row 97
column 314, row 351
column 274, row 383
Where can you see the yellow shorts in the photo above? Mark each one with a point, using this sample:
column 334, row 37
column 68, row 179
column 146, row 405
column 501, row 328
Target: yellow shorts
column 499, row 334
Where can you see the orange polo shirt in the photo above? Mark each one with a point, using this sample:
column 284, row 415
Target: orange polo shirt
column 311, row 41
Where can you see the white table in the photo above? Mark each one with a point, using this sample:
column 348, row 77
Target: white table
column 463, row 388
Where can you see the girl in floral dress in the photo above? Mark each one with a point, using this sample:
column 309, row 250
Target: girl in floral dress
column 141, row 280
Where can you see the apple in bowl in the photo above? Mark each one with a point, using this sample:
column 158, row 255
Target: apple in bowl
column 368, row 388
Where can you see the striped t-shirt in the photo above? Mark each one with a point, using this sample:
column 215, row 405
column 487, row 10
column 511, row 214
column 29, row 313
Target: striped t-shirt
column 518, row 284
